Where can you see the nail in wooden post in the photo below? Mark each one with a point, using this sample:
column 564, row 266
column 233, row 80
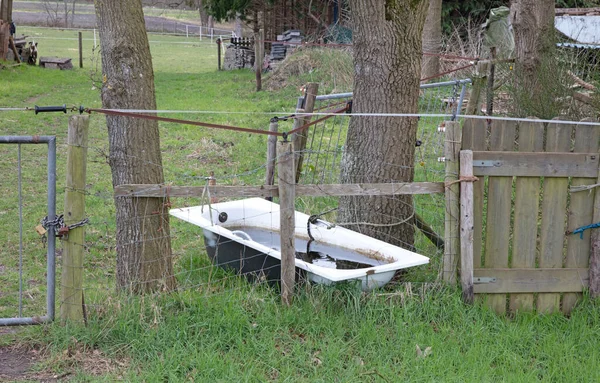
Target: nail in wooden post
column 271, row 154
column 71, row 305
column 452, row 220
column 466, row 226
column 80, row 50
column 287, row 191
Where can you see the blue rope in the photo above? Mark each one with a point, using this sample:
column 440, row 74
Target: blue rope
column 584, row 228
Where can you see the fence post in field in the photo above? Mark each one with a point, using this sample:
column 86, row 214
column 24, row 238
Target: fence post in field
column 271, row 153
column 218, row 54
column 287, row 194
column 299, row 139
column 80, row 50
column 452, row 220
column 466, row 225
column 71, row 303
column 259, row 43
column 595, row 247
column 478, row 84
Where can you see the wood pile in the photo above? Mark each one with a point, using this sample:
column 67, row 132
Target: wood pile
column 24, row 51
column 288, row 41
column 239, row 54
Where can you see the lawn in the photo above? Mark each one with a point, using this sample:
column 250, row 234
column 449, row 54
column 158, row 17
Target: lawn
column 217, row 327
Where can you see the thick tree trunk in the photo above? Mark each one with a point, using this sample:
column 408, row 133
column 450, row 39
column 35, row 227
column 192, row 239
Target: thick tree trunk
column 387, row 65
column 432, row 39
column 143, row 241
column 203, row 14
column 533, row 25
column 6, row 10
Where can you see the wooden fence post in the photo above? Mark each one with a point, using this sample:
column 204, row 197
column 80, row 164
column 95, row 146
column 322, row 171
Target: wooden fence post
column 219, row 54
column 71, row 307
column 259, row 43
column 466, row 225
column 478, row 84
column 595, row 248
column 300, row 138
column 285, row 171
column 271, row 154
column 452, row 220
column 80, row 50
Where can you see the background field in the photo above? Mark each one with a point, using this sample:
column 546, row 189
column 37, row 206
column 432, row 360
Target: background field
column 218, row 327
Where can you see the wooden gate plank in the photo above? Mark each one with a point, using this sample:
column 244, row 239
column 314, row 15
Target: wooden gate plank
column 535, row 164
column 474, row 138
column 554, row 205
column 580, row 211
column 527, row 191
column 502, row 138
column 530, row 280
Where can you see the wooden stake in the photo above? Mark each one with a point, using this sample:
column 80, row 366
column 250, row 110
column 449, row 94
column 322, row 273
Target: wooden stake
column 299, row 138
column 466, row 226
column 285, row 171
column 80, row 50
column 271, row 154
column 595, row 248
column 451, row 232
column 71, row 307
column 259, row 42
column 478, row 84
column 218, row 54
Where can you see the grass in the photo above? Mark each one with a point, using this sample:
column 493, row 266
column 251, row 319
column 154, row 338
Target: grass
column 218, row 327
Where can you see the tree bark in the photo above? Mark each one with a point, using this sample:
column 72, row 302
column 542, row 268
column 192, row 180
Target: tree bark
column 203, row 14
column 533, row 25
column 6, row 10
column 387, row 65
column 432, row 39
column 144, row 261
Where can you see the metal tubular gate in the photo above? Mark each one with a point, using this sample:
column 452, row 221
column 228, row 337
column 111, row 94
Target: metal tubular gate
column 50, row 259
column 324, row 150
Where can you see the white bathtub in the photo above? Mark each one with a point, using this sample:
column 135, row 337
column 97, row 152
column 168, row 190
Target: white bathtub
column 225, row 229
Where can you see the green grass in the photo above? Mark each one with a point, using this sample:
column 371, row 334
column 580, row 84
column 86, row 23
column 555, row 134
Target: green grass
column 218, row 327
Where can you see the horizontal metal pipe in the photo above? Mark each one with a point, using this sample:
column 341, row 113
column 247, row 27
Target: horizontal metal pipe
column 26, row 139
column 423, row 86
column 24, row 321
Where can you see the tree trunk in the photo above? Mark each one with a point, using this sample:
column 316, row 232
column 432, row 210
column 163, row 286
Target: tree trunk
column 203, row 14
column 144, row 261
column 432, row 39
column 387, row 64
column 533, row 25
column 6, row 10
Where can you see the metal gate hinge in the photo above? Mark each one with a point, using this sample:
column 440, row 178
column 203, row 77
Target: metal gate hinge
column 482, row 280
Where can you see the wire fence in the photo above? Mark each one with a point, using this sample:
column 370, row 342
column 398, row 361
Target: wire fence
column 193, row 271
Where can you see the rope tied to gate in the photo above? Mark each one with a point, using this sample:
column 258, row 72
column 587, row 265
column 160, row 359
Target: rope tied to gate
column 461, row 179
column 581, row 229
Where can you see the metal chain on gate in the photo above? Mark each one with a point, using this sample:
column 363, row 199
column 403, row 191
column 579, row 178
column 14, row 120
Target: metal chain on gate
column 61, row 230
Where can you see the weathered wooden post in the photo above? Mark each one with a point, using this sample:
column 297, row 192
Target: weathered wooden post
column 452, row 221
column 80, row 50
column 478, row 84
column 466, row 225
column 71, row 307
column 259, row 43
column 287, row 195
column 595, row 247
column 219, row 54
column 299, row 139
column 271, row 153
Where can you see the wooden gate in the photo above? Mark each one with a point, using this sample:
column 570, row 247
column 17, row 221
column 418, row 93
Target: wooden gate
column 526, row 205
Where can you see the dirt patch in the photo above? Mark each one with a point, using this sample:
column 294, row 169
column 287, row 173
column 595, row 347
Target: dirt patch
column 19, row 363
column 16, row 364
